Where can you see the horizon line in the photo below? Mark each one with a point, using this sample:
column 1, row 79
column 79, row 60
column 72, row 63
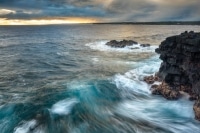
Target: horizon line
column 136, row 23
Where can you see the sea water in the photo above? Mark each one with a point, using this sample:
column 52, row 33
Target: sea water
column 64, row 79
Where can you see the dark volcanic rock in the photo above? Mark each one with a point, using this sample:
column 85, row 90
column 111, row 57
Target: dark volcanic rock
column 121, row 44
column 181, row 64
column 145, row 45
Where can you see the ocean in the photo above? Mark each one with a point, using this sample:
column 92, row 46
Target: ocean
column 64, row 79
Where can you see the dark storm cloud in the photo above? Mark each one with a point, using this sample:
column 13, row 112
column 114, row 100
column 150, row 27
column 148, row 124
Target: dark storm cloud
column 23, row 4
column 108, row 10
column 30, row 9
column 155, row 10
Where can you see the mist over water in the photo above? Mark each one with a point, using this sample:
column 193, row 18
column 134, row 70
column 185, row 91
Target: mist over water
column 58, row 79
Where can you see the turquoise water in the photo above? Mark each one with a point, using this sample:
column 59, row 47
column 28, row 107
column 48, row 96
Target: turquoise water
column 64, row 79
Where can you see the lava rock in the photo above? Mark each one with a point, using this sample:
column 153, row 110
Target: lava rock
column 180, row 56
column 151, row 79
column 145, row 45
column 180, row 67
column 166, row 91
column 121, row 44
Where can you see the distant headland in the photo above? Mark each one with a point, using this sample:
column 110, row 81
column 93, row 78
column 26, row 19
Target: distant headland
column 155, row 23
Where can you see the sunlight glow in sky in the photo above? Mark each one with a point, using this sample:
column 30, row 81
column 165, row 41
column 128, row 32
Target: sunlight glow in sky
column 4, row 21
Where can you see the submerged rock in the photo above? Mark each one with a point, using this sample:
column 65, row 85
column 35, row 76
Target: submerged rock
column 121, row 44
column 145, row 45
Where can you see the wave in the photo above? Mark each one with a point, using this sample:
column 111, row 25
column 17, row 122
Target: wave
column 63, row 107
column 39, row 125
column 120, row 104
column 27, row 126
column 155, row 111
column 101, row 46
column 132, row 81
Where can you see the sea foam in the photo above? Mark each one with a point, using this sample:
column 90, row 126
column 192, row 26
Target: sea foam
column 140, row 106
column 27, row 126
column 63, row 107
column 133, row 79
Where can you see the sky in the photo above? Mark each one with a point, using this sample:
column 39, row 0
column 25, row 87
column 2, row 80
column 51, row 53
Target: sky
column 19, row 12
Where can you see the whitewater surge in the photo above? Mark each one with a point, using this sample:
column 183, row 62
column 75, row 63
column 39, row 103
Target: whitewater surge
column 62, row 79
column 133, row 79
column 154, row 113
column 120, row 104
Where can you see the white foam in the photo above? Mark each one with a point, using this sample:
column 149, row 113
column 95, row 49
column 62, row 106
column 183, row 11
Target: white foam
column 62, row 53
column 145, row 68
column 133, row 79
column 156, row 110
column 182, row 108
column 27, row 126
column 126, row 85
column 95, row 59
column 63, row 107
column 160, row 112
column 101, row 46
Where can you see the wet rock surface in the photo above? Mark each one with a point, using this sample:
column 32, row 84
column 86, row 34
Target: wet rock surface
column 151, row 79
column 180, row 69
column 121, row 44
column 124, row 43
column 145, row 45
column 196, row 109
column 166, row 91
column 181, row 60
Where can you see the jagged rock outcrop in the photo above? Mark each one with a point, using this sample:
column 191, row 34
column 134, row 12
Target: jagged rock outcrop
column 121, row 44
column 181, row 61
column 180, row 69
column 124, row 43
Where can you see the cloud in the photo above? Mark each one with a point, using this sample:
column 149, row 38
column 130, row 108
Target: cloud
column 154, row 10
column 50, row 8
column 109, row 10
column 6, row 11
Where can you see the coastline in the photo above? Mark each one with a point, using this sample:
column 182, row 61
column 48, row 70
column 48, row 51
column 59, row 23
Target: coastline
column 179, row 69
column 154, row 23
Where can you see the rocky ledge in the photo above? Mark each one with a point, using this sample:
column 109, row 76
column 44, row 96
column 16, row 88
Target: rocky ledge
column 180, row 69
column 124, row 43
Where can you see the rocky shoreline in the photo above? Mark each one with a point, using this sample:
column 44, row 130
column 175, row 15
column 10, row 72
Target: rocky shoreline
column 179, row 70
